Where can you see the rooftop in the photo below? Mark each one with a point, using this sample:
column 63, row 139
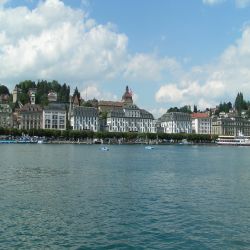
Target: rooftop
column 199, row 115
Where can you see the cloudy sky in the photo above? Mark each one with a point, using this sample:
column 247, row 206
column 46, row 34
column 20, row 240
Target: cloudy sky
column 169, row 52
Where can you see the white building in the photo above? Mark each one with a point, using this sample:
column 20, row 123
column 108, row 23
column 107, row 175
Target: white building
column 54, row 116
column 85, row 118
column 176, row 122
column 130, row 119
column 201, row 123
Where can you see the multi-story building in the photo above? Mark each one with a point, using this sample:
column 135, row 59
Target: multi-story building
column 124, row 116
column 230, row 126
column 54, row 116
column 29, row 116
column 176, row 122
column 85, row 118
column 6, row 120
column 201, row 123
column 130, row 119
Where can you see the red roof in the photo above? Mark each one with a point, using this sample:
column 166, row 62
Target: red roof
column 199, row 115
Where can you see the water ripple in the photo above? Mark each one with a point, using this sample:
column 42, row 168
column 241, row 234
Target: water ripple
column 75, row 197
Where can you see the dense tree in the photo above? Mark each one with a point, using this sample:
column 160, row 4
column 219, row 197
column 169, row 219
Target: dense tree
column 240, row 104
column 195, row 109
column 43, row 87
column 4, row 90
column 26, row 85
column 185, row 109
column 173, row 109
column 224, row 107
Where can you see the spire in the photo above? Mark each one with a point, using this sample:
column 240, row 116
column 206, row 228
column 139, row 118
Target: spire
column 127, row 97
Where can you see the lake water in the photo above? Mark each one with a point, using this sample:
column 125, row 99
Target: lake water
column 79, row 197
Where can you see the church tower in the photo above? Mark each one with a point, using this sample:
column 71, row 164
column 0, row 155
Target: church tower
column 127, row 97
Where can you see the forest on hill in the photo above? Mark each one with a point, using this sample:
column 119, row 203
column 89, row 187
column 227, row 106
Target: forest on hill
column 43, row 87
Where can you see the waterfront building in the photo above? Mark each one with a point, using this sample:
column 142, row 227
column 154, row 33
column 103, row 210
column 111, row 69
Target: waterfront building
column 6, row 120
column 130, row 119
column 29, row 116
column 54, row 116
column 85, row 118
column 201, row 123
column 176, row 122
column 107, row 106
column 125, row 116
column 230, row 126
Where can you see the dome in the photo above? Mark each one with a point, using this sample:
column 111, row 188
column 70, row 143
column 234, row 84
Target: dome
column 127, row 96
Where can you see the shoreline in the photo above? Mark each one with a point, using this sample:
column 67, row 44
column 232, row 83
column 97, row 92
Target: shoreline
column 66, row 142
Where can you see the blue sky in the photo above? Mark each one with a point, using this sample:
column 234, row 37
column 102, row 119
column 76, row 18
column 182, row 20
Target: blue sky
column 170, row 52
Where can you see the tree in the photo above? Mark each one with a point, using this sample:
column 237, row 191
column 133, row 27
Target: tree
column 240, row 104
column 175, row 109
column 77, row 93
column 185, row 109
column 4, row 90
column 195, row 109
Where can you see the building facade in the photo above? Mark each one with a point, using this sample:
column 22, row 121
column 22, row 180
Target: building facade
column 54, row 116
column 176, row 122
column 230, row 126
column 29, row 116
column 201, row 123
column 85, row 118
column 130, row 119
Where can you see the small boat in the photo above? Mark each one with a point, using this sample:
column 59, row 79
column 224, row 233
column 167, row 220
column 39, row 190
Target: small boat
column 149, row 147
column 104, row 148
column 185, row 142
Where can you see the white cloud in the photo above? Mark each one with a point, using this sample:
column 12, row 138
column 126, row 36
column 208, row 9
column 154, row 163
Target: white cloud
column 210, row 84
column 54, row 41
column 149, row 67
column 169, row 93
column 190, row 93
column 92, row 90
column 158, row 112
column 238, row 3
column 242, row 3
column 2, row 2
column 212, row 2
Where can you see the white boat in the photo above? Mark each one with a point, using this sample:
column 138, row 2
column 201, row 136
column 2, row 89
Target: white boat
column 104, row 148
column 184, row 142
column 239, row 140
column 149, row 147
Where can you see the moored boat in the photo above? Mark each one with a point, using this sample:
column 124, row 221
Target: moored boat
column 7, row 141
column 239, row 140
